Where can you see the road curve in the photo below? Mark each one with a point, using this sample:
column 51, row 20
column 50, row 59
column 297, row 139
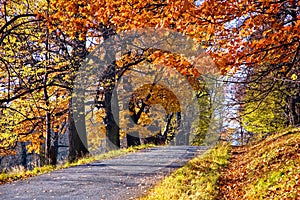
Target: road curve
column 125, row 177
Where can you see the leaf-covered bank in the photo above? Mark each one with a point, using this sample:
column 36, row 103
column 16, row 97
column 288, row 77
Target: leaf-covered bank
column 269, row 169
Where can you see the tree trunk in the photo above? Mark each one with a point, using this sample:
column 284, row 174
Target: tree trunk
column 48, row 138
column 54, row 150
column 182, row 138
column 295, row 110
column 112, row 114
column 111, row 105
column 23, row 155
column 77, row 134
column 133, row 139
column 53, row 156
column 46, row 99
column 77, row 128
column 148, row 140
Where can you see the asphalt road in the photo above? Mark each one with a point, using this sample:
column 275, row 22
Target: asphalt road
column 125, row 177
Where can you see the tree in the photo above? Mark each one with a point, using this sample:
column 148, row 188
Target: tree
column 21, row 75
column 265, row 115
column 260, row 38
column 100, row 20
column 36, row 76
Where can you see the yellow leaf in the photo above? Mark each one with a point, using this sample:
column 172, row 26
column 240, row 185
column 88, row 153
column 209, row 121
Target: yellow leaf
column 294, row 77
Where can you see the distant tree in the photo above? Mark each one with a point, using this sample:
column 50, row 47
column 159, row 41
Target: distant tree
column 265, row 114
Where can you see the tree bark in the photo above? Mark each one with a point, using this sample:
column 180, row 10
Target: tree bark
column 54, row 150
column 182, row 138
column 112, row 114
column 23, row 155
column 133, row 138
column 77, row 128
column 295, row 110
column 77, row 134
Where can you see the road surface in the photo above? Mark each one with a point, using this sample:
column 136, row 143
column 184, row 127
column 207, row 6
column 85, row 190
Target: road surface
column 125, row 177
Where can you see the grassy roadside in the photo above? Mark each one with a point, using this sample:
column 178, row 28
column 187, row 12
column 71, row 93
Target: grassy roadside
column 196, row 180
column 269, row 169
column 19, row 173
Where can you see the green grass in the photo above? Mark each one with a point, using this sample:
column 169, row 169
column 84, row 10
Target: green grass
column 18, row 172
column 196, row 180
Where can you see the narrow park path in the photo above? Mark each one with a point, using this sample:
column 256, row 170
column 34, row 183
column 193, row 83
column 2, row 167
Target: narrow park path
column 125, row 177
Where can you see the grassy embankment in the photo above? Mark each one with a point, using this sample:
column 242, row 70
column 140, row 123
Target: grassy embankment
column 18, row 172
column 198, row 179
column 269, row 169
